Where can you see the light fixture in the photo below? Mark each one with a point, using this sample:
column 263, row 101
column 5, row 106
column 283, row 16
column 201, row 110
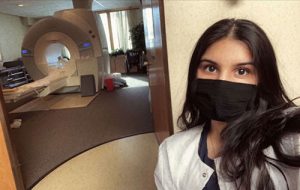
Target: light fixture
column 20, row 5
column 99, row 3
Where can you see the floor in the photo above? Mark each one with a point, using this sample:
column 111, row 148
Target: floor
column 124, row 164
column 53, row 102
column 137, row 81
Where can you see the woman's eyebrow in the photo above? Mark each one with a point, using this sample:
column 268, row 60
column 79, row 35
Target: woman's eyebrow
column 209, row 61
column 215, row 63
column 245, row 63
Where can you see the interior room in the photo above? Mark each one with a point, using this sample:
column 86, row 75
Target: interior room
column 76, row 94
column 91, row 88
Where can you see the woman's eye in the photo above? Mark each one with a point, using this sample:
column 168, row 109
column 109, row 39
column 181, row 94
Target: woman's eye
column 243, row 71
column 210, row 68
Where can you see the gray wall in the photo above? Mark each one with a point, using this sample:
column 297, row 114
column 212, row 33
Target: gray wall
column 12, row 32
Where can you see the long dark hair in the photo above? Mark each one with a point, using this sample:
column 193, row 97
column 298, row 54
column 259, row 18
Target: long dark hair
column 245, row 138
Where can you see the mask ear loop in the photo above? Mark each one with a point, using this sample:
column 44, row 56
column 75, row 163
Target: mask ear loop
column 262, row 105
column 257, row 104
column 194, row 87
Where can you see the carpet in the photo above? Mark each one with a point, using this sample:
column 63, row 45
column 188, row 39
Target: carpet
column 47, row 139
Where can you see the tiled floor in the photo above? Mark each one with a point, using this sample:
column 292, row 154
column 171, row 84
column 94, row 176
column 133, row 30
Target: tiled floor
column 124, row 164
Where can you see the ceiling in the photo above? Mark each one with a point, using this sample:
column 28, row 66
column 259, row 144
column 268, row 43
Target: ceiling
column 42, row 8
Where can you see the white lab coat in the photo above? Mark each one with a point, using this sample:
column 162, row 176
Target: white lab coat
column 180, row 168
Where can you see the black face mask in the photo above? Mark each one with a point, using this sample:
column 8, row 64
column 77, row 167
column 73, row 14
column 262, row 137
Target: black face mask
column 223, row 100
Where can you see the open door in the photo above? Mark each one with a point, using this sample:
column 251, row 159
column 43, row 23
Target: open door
column 10, row 175
column 155, row 38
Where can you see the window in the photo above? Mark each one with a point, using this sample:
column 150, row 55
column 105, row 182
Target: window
column 116, row 24
column 104, row 20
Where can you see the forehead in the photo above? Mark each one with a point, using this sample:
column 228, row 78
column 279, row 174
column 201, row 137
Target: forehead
column 228, row 51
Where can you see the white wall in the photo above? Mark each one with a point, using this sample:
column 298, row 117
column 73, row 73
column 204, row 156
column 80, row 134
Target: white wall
column 186, row 20
column 12, row 32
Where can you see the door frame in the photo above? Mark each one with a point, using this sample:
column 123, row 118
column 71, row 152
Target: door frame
column 158, row 70
column 10, row 173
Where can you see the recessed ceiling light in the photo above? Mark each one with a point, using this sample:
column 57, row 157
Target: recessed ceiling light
column 20, row 5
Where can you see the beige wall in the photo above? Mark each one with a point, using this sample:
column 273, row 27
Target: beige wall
column 12, row 32
column 186, row 20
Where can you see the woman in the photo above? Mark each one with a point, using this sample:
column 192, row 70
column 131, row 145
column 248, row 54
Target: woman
column 243, row 131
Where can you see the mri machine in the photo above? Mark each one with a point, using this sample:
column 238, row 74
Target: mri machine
column 82, row 34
